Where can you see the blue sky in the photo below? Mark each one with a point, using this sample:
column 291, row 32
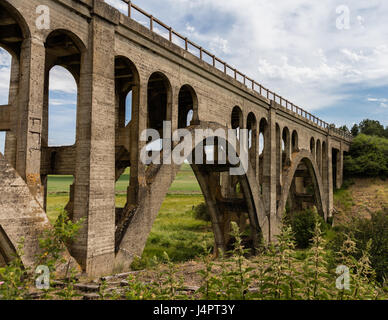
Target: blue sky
column 292, row 47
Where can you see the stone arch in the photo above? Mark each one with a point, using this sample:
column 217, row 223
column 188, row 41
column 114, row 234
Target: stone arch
column 237, row 120
column 263, row 135
column 295, row 141
column 127, row 90
column 312, row 147
column 303, row 157
column 64, row 48
column 12, row 21
column 319, row 156
column 14, row 17
column 252, row 138
column 159, row 100
column 279, row 166
column 286, row 139
column 187, row 105
column 159, row 178
column 324, row 168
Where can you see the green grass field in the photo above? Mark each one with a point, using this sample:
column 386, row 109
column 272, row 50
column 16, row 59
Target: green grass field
column 175, row 230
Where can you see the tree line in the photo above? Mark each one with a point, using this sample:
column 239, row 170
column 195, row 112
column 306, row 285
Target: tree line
column 368, row 155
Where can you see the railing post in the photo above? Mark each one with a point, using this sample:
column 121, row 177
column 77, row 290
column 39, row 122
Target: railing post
column 200, row 53
column 129, row 9
column 151, row 23
column 170, row 34
column 186, row 44
column 214, row 60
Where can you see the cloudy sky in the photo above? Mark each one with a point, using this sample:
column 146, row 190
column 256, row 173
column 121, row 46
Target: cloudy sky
column 302, row 49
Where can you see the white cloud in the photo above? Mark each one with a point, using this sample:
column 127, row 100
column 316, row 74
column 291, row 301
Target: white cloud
column 382, row 100
column 61, row 80
column 5, row 71
column 292, row 47
column 2, row 142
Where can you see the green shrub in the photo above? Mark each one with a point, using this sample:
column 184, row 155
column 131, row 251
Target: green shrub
column 368, row 157
column 303, row 224
column 363, row 230
column 201, row 212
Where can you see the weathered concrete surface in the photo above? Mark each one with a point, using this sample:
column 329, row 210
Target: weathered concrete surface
column 22, row 219
column 111, row 56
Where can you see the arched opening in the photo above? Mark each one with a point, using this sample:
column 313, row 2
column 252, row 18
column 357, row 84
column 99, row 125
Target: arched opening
column 278, row 161
column 295, row 142
column 304, row 190
column 62, row 108
column 126, row 90
column 252, row 138
column 237, row 121
column 174, row 230
column 5, row 76
column 312, row 147
column 319, row 156
column 63, row 68
column 324, row 165
column 187, row 107
column 127, row 86
column 335, row 166
column 286, row 143
column 159, row 101
column 263, row 155
column 14, row 31
column 61, row 115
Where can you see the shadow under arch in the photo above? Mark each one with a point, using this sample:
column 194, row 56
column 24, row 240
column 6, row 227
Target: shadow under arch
column 159, row 100
column 188, row 101
column 7, row 249
column 159, row 179
column 22, row 29
column 127, row 83
column 74, row 37
column 65, row 49
column 303, row 157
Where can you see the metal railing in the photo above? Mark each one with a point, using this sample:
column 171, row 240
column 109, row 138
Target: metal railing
column 157, row 26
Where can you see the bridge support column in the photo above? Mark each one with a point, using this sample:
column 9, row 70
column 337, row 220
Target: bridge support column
column 271, row 178
column 137, row 184
column 94, row 188
column 328, row 176
column 30, row 105
column 340, row 166
column 10, row 139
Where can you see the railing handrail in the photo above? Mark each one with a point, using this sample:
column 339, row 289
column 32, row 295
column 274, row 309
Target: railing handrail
column 255, row 86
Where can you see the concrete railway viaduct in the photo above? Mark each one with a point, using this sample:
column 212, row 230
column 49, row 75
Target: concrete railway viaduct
column 295, row 159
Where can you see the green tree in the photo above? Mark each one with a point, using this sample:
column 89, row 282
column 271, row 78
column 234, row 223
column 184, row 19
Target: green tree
column 345, row 129
column 372, row 128
column 355, row 130
column 368, row 157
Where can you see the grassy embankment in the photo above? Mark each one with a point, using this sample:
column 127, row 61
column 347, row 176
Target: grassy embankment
column 360, row 197
column 181, row 236
column 175, row 229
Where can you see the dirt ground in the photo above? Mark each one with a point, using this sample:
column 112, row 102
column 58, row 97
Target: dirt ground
column 363, row 197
